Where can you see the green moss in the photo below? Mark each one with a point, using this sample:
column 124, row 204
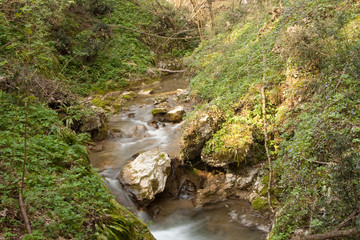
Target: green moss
column 99, row 102
column 127, row 97
column 260, row 204
column 155, row 185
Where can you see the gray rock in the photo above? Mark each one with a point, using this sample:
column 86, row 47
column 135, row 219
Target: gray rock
column 146, row 176
column 95, row 121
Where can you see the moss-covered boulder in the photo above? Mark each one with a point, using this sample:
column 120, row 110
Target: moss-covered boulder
column 230, row 144
column 198, row 129
column 146, row 176
column 158, row 111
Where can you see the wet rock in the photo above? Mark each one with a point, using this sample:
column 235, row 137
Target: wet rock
column 187, row 190
column 131, row 115
column 146, row 176
column 198, row 130
column 160, row 99
column 175, row 115
column 140, row 131
column 153, row 123
column 96, row 148
column 129, row 95
column 145, row 92
column 183, row 95
column 157, row 111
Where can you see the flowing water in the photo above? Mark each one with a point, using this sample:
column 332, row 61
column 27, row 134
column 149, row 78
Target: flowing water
column 175, row 219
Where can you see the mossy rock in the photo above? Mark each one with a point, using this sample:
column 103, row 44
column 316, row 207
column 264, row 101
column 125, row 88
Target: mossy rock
column 228, row 145
column 157, row 111
column 129, row 95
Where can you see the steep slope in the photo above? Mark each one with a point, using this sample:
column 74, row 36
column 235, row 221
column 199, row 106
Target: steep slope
column 303, row 58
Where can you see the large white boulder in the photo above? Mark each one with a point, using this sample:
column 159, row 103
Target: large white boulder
column 146, row 176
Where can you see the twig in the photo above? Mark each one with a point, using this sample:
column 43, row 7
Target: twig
column 341, row 77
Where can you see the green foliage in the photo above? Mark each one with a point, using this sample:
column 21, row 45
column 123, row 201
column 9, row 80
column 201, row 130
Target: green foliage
column 93, row 46
column 65, row 197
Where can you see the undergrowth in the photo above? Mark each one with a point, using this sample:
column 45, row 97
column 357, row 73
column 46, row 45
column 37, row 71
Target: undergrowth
column 64, row 195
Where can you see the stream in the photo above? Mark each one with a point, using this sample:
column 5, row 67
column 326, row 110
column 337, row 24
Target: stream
column 132, row 133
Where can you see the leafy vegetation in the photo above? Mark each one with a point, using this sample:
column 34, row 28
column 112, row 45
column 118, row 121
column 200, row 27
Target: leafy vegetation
column 64, row 195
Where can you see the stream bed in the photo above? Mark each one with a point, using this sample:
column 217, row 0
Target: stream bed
column 174, row 219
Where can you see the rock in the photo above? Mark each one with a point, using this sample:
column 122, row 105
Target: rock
column 146, row 176
column 198, row 130
column 96, row 148
column 187, row 190
column 175, row 115
column 221, row 186
column 129, row 95
column 157, row 111
column 145, row 92
column 140, row 132
column 94, row 121
column 95, row 124
column 160, row 99
column 183, row 95
column 153, row 123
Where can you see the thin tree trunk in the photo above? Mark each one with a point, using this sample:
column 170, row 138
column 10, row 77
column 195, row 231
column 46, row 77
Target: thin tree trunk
column 265, row 128
column 22, row 182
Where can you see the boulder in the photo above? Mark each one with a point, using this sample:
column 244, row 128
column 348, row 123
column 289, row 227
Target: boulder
column 94, row 121
column 95, row 124
column 158, row 111
column 198, row 130
column 146, row 176
column 175, row 115
column 222, row 186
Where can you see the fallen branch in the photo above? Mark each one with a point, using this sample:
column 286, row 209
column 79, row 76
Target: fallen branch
column 330, row 235
column 346, row 221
